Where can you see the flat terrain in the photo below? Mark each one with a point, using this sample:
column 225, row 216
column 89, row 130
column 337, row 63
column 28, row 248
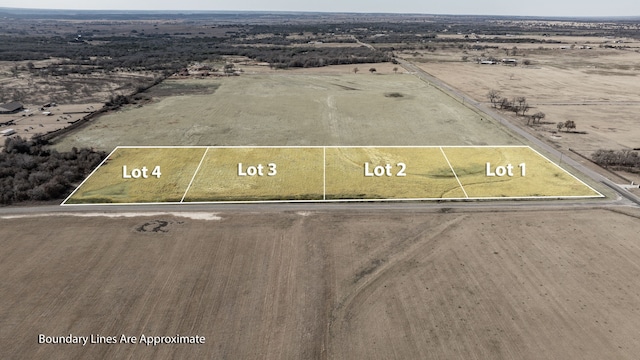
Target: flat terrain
column 293, row 109
column 75, row 95
column 37, row 120
column 508, row 280
column 590, row 83
column 209, row 174
column 342, row 284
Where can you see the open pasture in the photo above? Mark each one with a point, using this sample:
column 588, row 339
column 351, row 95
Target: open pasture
column 199, row 174
column 288, row 109
column 402, row 173
column 596, row 87
column 109, row 185
column 250, row 174
column 512, row 172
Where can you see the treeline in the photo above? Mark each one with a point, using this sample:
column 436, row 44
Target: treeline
column 285, row 57
column 168, row 54
column 137, row 53
column 29, row 170
column 284, row 40
column 621, row 159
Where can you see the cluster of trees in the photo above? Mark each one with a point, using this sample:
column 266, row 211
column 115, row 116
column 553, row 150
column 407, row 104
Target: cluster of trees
column 136, row 53
column 29, row 170
column 284, row 39
column 396, row 38
column 569, row 125
column 170, row 54
column 626, row 159
column 520, row 106
column 165, row 53
column 282, row 58
column 517, row 104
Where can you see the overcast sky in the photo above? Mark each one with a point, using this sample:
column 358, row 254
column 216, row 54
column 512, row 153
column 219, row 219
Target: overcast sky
column 472, row 7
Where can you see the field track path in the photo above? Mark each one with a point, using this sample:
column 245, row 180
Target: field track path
column 422, row 244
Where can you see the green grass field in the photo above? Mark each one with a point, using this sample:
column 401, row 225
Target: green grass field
column 198, row 174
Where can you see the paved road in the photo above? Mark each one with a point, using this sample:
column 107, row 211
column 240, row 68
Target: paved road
column 426, row 206
column 516, row 129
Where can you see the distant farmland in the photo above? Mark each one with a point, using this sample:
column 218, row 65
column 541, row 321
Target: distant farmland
column 292, row 109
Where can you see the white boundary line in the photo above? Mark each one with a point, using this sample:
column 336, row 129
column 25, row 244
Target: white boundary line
column 555, row 197
column 324, row 173
column 194, row 175
column 454, row 172
column 85, row 180
column 568, row 173
column 318, row 146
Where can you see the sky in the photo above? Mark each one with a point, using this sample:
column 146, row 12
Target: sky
column 565, row 8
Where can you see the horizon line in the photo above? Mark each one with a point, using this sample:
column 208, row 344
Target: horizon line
column 275, row 12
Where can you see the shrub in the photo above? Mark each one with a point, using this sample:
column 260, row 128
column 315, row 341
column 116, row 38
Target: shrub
column 31, row 171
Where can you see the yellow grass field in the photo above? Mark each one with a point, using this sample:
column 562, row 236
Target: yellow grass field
column 295, row 174
column 107, row 184
column 541, row 177
column 426, row 174
column 326, row 173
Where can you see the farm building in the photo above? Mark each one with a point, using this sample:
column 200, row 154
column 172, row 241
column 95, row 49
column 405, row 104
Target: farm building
column 7, row 132
column 10, row 108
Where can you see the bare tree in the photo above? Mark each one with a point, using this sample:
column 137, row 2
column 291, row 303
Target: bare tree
column 505, row 103
column 516, row 104
column 494, row 96
column 395, row 69
column 523, row 106
column 560, row 125
column 570, row 125
column 538, row 116
column 229, row 69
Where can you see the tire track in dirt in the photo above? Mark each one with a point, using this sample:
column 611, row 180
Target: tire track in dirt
column 333, row 116
column 328, row 298
column 372, row 278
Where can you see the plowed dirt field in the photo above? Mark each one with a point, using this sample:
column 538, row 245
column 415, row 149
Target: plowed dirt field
column 553, row 284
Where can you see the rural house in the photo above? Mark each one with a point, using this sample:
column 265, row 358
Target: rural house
column 10, row 108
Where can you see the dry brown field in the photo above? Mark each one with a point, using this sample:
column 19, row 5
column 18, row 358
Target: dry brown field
column 75, row 95
column 291, row 108
column 36, row 121
column 597, row 88
column 547, row 284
